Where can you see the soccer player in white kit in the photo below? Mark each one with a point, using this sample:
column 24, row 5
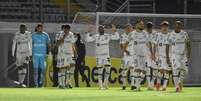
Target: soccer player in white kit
column 162, row 41
column 139, row 40
column 180, row 54
column 127, row 54
column 152, row 61
column 22, row 40
column 102, row 40
column 66, row 51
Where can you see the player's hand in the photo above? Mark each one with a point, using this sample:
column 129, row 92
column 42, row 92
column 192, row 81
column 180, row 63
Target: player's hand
column 114, row 29
column 127, row 52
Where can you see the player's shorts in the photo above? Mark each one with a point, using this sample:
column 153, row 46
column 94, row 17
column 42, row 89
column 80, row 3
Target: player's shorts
column 179, row 62
column 102, row 61
column 39, row 61
column 127, row 61
column 163, row 63
column 21, row 58
column 64, row 60
column 151, row 63
column 140, row 62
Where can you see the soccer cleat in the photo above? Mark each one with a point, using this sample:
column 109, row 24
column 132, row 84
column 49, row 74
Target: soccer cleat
column 61, row 87
column 177, row 89
column 124, row 88
column 133, row 87
column 137, row 90
column 101, row 88
column 158, row 86
column 69, row 86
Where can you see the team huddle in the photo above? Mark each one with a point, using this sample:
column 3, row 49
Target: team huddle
column 145, row 54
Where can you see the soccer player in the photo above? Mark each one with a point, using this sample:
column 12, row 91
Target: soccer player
column 102, row 40
column 151, row 57
column 66, row 52
column 22, row 40
column 139, row 40
column 180, row 54
column 40, row 45
column 127, row 54
column 162, row 41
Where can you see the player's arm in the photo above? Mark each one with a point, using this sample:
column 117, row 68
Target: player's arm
column 188, row 47
column 14, row 45
column 124, row 48
column 57, row 40
column 49, row 47
column 115, row 34
column 74, row 50
column 30, row 44
column 88, row 36
column 168, row 53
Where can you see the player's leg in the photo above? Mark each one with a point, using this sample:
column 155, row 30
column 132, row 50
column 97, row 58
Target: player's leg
column 165, row 79
column 148, row 77
column 70, row 75
column 36, row 66
column 21, row 67
column 107, row 67
column 43, row 70
column 100, row 72
column 123, row 73
column 132, row 77
column 148, row 73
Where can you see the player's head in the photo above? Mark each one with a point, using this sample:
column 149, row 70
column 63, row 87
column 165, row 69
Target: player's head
column 139, row 25
column 23, row 28
column 149, row 27
column 78, row 37
column 101, row 29
column 178, row 26
column 39, row 28
column 164, row 26
column 128, row 28
column 66, row 28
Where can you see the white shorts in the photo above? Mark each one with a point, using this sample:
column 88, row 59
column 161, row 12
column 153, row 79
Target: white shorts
column 179, row 62
column 163, row 63
column 102, row 61
column 152, row 64
column 140, row 62
column 64, row 60
column 127, row 61
column 21, row 58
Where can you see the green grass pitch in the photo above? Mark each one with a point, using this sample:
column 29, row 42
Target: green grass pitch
column 93, row 94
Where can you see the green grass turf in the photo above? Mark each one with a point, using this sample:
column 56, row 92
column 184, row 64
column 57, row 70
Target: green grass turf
column 93, row 94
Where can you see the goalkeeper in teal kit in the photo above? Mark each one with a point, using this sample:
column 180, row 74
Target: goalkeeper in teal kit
column 40, row 43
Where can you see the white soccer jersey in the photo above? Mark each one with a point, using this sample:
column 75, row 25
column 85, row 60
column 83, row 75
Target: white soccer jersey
column 139, row 40
column 69, row 40
column 151, row 39
column 178, row 42
column 124, row 39
column 102, row 42
column 162, row 40
column 23, row 42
